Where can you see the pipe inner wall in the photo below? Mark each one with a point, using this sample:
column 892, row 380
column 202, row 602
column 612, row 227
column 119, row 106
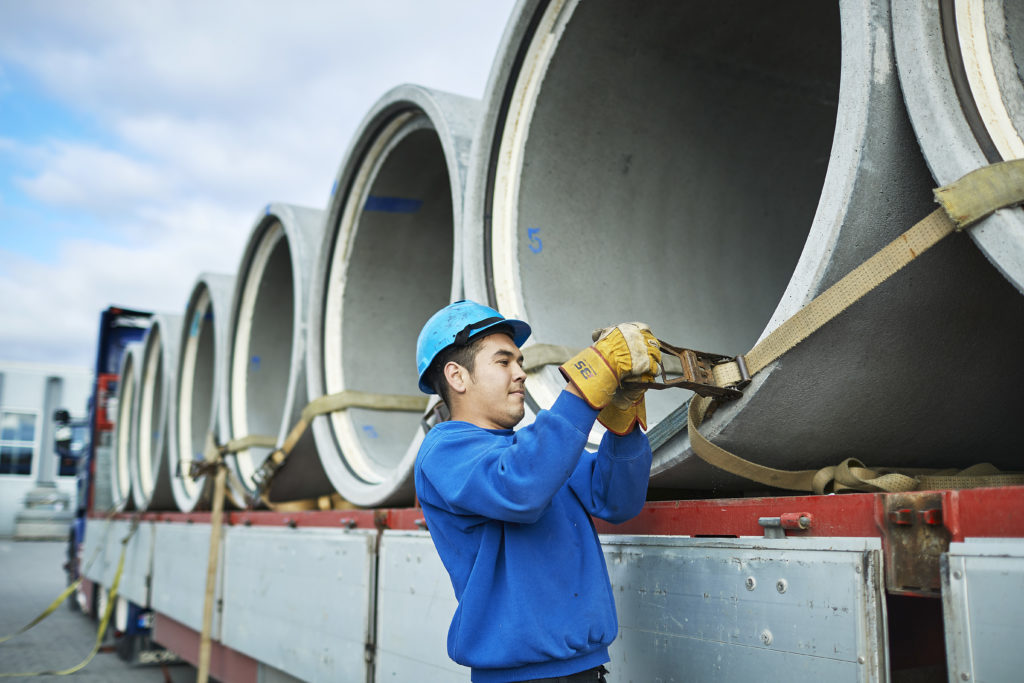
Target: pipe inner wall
column 126, row 429
column 399, row 266
column 200, row 376
column 961, row 64
column 387, row 265
column 661, row 162
column 266, row 387
column 151, row 486
column 709, row 169
column 263, row 346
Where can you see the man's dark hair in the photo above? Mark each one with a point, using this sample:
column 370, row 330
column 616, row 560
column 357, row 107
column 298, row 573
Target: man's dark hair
column 463, row 355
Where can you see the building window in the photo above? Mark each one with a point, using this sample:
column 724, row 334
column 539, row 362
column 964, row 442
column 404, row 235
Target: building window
column 17, row 441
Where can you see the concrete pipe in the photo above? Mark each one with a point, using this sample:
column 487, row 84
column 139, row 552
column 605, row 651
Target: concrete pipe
column 389, row 260
column 126, row 428
column 199, row 378
column 265, row 390
column 709, row 169
column 151, row 474
column 961, row 64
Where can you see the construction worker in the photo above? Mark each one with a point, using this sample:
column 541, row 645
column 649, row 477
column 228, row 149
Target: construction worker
column 509, row 512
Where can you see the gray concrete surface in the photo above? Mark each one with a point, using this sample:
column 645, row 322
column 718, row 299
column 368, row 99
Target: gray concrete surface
column 30, row 578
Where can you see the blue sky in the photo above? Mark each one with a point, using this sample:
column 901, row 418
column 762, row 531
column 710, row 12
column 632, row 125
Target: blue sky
column 140, row 141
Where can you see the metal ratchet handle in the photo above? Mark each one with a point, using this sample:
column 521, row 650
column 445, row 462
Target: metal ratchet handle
column 697, row 373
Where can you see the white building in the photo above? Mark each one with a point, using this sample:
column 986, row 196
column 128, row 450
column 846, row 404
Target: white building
column 29, row 394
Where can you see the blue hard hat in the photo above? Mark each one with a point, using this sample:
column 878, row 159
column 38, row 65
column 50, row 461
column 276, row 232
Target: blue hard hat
column 458, row 323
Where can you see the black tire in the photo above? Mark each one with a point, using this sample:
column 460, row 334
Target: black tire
column 71, row 570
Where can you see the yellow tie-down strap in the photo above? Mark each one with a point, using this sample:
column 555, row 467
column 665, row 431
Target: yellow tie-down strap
column 331, row 403
column 963, row 203
column 343, row 400
column 104, row 618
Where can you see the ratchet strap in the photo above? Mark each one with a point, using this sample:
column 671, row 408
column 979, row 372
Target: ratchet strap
column 963, row 203
column 72, row 587
column 104, row 620
column 216, row 528
column 343, row 400
column 212, row 463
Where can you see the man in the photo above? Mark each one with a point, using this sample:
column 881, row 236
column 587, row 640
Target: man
column 509, row 512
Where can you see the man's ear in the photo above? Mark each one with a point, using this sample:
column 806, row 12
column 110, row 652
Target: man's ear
column 455, row 375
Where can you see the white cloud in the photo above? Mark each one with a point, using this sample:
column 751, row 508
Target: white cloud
column 203, row 112
column 51, row 311
column 86, row 176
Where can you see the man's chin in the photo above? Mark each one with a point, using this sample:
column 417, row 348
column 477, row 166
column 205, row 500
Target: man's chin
column 515, row 417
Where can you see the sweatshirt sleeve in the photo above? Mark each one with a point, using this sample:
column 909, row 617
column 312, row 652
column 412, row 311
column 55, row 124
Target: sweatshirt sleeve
column 471, row 471
column 612, row 482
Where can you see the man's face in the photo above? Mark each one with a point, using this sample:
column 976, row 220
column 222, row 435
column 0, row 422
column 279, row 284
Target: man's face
column 495, row 396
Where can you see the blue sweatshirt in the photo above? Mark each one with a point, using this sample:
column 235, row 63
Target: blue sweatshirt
column 509, row 515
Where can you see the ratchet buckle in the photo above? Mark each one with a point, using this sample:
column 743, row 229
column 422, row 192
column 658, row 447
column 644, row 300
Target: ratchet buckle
column 696, row 370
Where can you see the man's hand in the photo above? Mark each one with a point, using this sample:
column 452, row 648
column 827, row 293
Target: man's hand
column 621, row 421
column 625, row 350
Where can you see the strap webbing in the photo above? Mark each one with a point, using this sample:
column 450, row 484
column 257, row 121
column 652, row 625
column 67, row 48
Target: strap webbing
column 104, row 618
column 331, row 403
column 964, row 202
column 212, row 561
column 538, row 355
column 247, row 442
column 837, row 298
column 344, row 400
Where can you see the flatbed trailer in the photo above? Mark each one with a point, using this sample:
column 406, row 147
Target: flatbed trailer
column 851, row 587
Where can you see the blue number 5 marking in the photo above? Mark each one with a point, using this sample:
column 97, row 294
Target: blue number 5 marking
column 535, row 243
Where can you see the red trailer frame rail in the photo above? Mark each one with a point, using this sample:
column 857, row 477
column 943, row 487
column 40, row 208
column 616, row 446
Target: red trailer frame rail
column 915, row 528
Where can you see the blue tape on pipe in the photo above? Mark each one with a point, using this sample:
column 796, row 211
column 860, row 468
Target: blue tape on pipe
column 392, row 204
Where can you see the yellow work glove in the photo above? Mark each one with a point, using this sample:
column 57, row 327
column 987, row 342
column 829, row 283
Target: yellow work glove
column 627, row 349
column 627, row 409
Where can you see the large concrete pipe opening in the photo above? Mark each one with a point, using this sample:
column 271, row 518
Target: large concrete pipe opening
column 126, row 429
column 708, row 169
column 201, row 369
column 387, row 265
column 961, row 64
column 639, row 154
column 151, row 477
column 265, row 390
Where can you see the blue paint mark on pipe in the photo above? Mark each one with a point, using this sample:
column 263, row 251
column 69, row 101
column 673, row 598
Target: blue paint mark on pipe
column 392, row 204
column 266, row 211
column 334, row 187
column 536, row 246
column 370, row 431
column 255, row 362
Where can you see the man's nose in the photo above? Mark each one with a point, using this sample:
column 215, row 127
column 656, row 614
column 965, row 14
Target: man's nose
column 519, row 374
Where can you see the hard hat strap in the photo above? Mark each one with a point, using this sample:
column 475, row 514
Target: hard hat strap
column 462, row 338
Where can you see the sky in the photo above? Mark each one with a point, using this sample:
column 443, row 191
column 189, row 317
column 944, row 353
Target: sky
column 140, row 141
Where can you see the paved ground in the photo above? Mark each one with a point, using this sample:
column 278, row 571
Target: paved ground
column 30, row 578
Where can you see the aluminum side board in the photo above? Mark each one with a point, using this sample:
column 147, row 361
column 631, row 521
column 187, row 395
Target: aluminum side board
column 299, row 599
column 982, row 600
column 101, row 552
column 689, row 609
